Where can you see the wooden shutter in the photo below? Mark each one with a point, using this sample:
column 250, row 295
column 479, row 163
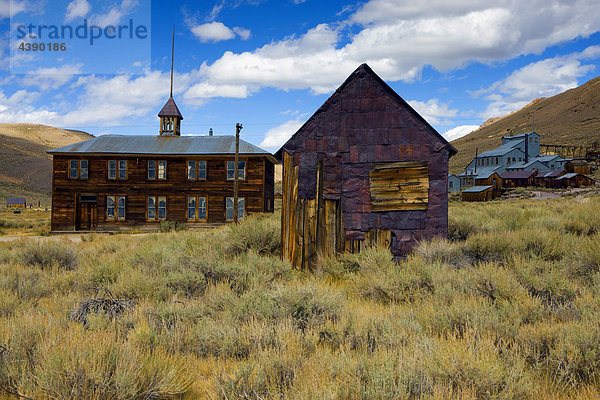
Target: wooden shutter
column 399, row 186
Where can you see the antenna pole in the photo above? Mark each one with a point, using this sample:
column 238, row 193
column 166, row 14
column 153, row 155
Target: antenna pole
column 172, row 54
column 238, row 128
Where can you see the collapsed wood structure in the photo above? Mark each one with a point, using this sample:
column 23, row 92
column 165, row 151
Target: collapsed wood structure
column 364, row 169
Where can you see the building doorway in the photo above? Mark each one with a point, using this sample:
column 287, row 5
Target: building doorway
column 87, row 206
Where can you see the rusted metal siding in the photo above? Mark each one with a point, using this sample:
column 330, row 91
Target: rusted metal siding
column 363, row 124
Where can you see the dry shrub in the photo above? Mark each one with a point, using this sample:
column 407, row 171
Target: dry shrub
column 46, row 254
column 258, row 232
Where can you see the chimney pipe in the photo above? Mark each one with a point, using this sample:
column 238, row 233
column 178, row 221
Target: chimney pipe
column 476, row 152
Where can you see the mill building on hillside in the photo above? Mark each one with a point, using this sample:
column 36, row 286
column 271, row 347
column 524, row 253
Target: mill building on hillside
column 517, row 153
column 365, row 168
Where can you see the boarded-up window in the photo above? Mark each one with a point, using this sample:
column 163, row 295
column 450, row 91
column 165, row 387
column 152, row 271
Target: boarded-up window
column 399, row 186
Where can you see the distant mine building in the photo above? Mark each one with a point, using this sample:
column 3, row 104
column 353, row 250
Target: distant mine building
column 574, row 180
column 478, row 193
column 453, row 183
column 365, row 168
column 517, row 153
column 16, row 202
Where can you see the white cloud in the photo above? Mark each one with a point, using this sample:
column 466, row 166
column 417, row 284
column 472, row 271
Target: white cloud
column 459, row 132
column 432, row 110
column 198, row 93
column 77, row 9
column 399, row 39
column 10, row 8
column 543, row 78
column 276, row 137
column 243, row 33
column 51, row 78
column 115, row 14
column 215, row 31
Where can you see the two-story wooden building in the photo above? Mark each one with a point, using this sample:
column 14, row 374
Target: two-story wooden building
column 120, row 182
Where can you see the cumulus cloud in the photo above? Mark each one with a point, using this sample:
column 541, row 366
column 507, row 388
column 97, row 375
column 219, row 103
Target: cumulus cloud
column 398, row 40
column 51, row 78
column 543, row 78
column 432, row 110
column 276, row 137
column 10, row 8
column 200, row 92
column 459, row 132
column 213, row 32
column 115, row 14
column 77, row 9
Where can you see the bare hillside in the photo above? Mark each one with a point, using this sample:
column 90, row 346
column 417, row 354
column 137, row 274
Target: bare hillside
column 25, row 168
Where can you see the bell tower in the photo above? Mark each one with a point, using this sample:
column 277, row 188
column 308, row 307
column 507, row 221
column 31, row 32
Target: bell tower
column 170, row 117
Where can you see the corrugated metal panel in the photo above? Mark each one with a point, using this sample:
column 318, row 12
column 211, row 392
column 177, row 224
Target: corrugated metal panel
column 502, row 150
column 477, row 189
column 517, row 174
column 567, row 176
column 166, row 145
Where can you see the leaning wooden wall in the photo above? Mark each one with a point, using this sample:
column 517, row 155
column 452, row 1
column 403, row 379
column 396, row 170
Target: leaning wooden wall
column 315, row 227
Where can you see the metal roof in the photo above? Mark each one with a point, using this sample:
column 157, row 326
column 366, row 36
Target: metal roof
column 15, row 200
column 547, row 157
column 502, row 150
column 550, row 174
column 529, row 164
column 517, row 174
column 521, row 135
column 568, row 176
column 482, row 172
column 477, row 189
column 170, row 109
column 164, row 145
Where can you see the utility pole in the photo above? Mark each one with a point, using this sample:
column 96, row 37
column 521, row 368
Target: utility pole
column 238, row 128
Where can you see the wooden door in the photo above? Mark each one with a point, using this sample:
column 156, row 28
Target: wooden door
column 86, row 216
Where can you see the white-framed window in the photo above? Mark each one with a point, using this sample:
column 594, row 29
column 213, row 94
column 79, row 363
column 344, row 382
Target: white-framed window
column 241, row 170
column 120, row 207
column 156, row 208
column 78, row 169
column 197, row 209
column 191, row 169
column 229, row 208
column 151, row 169
column 162, row 169
column 73, row 173
column 122, row 169
column 83, row 169
column 117, row 169
column 115, row 207
column 112, row 169
column 196, row 169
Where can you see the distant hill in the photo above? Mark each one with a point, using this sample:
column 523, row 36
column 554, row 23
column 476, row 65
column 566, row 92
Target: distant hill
column 569, row 118
column 25, row 168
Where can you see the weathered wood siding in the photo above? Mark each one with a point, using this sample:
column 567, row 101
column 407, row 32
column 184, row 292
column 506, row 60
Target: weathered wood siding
column 137, row 187
column 328, row 171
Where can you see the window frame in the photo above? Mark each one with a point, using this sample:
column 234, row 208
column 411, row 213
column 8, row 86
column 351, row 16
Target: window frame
column 115, row 208
column 197, row 208
column 240, row 177
column 117, row 170
column 78, row 168
column 148, row 169
column 156, row 209
column 108, row 169
column 240, row 199
column 158, row 174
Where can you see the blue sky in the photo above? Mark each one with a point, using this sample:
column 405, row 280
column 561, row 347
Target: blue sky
column 270, row 64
